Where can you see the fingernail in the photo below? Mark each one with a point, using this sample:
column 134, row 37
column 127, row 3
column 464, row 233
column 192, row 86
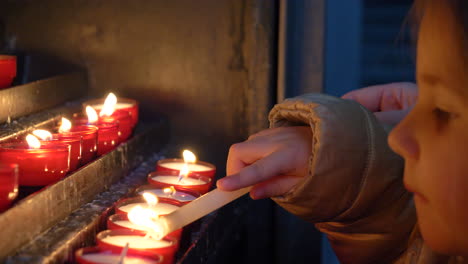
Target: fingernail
column 256, row 194
column 223, row 183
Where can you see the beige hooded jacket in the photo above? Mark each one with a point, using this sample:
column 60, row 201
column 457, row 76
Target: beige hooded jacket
column 354, row 190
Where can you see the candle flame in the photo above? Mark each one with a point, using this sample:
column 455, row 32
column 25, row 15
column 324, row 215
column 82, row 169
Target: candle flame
column 65, row 126
column 169, row 190
column 92, row 114
column 42, row 134
column 33, row 142
column 109, row 105
column 147, row 219
column 189, row 157
column 150, row 198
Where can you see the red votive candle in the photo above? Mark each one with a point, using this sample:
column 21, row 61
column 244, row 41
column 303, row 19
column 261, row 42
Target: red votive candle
column 108, row 132
column 75, row 143
column 94, row 255
column 200, row 167
column 7, row 70
column 163, row 207
column 184, row 196
column 8, row 185
column 120, row 221
column 195, row 182
column 123, row 104
column 115, row 241
column 37, row 167
column 89, row 141
column 125, row 124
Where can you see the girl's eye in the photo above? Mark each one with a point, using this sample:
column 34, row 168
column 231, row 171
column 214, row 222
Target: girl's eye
column 442, row 115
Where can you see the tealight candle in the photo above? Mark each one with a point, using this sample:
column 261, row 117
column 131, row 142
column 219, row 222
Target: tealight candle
column 94, row 255
column 120, row 221
column 88, row 134
column 195, row 182
column 37, row 167
column 199, row 167
column 116, row 240
column 8, row 185
column 108, row 132
column 123, row 104
column 182, row 195
column 163, row 207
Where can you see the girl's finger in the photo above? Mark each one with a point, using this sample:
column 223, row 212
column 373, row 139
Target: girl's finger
column 263, row 169
column 276, row 186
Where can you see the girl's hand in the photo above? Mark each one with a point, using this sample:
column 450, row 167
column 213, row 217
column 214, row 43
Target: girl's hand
column 273, row 161
column 389, row 102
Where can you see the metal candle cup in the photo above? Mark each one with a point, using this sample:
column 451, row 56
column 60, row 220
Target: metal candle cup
column 120, row 221
column 94, row 255
column 123, row 104
column 200, row 167
column 163, row 207
column 37, row 167
column 115, row 240
column 89, row 144
column 8, row 185
column 195, row 182
column 182, row 195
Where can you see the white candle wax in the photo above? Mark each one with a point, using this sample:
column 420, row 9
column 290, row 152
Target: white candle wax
column 175, row 180
column 106, row 258
column 128, row 224
column 117, row 106
column 137, row 242
column 179, row 195
column 191, row 166
column 159, row 208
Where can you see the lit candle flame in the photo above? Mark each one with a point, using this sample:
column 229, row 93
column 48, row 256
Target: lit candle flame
column 109, row 105
column 145, row 218
column 33, row 142
column 189, row 157
column 170, row 190
column 150, row 199
column 65, row 126
column 42, row 134
column 92, row 115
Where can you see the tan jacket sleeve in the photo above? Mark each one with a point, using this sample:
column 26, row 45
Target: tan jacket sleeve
column 354, row 191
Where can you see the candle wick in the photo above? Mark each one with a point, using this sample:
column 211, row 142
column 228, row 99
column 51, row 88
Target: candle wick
column 124, row 253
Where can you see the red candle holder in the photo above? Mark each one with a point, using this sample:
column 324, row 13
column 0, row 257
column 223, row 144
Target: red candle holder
column 184, row 196
column 125, row 124
column 123, row 104
column 200, row 167
column 195, row 182
column 108, row 132
column 94, row 255
column 165, row 205
column 120, row 221
column 115, row 240
column 76, row 143
column 8, row 185
column 88, row 134
column 37, row 167
column 7, row 70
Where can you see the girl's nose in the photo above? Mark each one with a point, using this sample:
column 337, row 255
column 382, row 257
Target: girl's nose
column 402, row 139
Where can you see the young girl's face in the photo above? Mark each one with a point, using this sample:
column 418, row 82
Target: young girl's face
column 433, row 138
